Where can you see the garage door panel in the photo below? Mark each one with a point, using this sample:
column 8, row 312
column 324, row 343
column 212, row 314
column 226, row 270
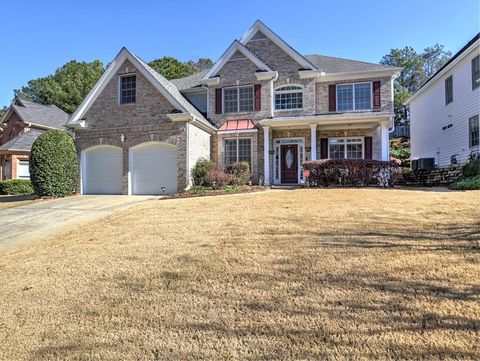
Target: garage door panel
column 103, row 170
column 153, row 166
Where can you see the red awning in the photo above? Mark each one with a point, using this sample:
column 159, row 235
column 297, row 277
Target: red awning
column 237, row 125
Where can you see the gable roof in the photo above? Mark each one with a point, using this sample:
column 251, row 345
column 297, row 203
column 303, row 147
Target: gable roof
column 23, row 141
column 48, row 116
column 232, row 49
column 165, row 87
column 264, row 29
column 453, row 60
column 330, row 64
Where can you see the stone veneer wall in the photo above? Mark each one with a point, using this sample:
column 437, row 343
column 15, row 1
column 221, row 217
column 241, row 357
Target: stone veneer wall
column 144, row 121
column 431, row 177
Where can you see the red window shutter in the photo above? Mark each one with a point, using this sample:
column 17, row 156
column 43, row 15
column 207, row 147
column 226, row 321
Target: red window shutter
column 368, row 147
column 324, row 148
column 258, row 97
column 376, row 95
column 332, row 98
column 218, row 101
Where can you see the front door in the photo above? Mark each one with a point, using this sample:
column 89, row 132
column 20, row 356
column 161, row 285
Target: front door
column 289, row 163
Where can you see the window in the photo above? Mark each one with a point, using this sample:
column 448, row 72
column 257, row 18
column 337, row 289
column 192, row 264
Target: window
column 448, row 90
column 289, row 97
column 128, row 86
column 238, row 150
column 239, row 99
column 354, row 97
column 23, row 171
column 473, row 132
column 476, row 72
column 345, row 148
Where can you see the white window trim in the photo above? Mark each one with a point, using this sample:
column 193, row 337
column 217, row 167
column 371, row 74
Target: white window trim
column 119, row 92
column 276, row 91
column 237, row 138
column 468, row 125
column 345, row 150
column 238, row 99
column 353, row 98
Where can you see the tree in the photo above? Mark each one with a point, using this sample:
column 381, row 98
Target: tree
column 172, row 68
column 417, row 68
column 53, row 164
column 3, row 111
column 66, row 88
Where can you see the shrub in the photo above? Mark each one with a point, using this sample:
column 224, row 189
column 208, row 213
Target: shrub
column 200, row 172
column 53, row 164
column 400, row 153
column 349, row 172
column 217, row 178
column 466, row 184
column 471, row 169
column 240, row 173
column 16, row 187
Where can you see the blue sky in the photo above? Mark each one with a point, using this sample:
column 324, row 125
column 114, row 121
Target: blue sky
column 36, row 37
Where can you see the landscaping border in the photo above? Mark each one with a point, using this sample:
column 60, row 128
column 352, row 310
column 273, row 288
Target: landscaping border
column 215, row 192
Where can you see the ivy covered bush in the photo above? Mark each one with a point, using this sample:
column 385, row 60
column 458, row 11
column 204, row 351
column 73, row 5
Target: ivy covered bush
column 16, row 187
column 54, row 164
column 351, row 173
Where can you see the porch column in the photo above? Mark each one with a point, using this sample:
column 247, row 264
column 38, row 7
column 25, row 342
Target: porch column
column 384, row 141
column 266, row 156
column 313, row 141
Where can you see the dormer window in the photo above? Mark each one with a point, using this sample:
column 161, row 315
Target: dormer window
column 289, row 97
column 128, row 89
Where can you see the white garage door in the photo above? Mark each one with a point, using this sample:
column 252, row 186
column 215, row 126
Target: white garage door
column 102, row 170
column 153, row 166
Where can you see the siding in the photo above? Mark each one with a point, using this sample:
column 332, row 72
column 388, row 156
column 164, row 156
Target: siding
column 198, row 99
column 198, row 148
column 428, row 114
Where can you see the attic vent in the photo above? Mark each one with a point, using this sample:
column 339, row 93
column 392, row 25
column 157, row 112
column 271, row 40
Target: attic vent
column 258, row 36
column 237, row 55
column 127, row 69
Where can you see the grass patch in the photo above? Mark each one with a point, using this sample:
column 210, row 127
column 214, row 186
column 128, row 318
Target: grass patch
column 307, row 274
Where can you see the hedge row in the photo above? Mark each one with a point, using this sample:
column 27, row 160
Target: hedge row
column 206, row 173
column 351, row 173
column 16, row 187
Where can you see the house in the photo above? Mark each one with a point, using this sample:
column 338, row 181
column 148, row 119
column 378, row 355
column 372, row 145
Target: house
column 262, row 102
column 20, row 127
column 444, row 112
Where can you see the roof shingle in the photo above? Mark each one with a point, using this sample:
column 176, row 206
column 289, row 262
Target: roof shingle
column 23, row 141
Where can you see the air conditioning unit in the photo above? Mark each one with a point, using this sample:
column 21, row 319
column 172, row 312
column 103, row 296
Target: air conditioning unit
column 426, row 163
column 414, row 164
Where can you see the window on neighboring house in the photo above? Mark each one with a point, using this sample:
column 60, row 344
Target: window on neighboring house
column 473, row 132
column 354, row 97
column 289, row 97
column 128, row 88
column 238, row 99
column 448, row 90
column 476, row 72
column 23, row 171
column 238, row 150
column 345, row 148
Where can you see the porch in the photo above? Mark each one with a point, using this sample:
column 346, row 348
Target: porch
column 288, row 143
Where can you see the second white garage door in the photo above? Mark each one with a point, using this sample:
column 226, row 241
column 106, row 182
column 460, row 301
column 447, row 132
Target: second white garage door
column 153, row 166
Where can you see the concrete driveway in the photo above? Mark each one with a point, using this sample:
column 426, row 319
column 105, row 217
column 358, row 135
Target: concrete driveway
column 32, row 221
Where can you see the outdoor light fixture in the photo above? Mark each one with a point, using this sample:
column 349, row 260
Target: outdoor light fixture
column 163, row 190
column 271, row 152
column 122, row 138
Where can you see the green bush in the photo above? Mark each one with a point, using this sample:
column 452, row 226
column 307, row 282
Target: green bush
column 200, row 172
column 54, row 164
column 240, row 173
column 466, row 184
column 16, row 187
column 400, row 153
column 471, row 169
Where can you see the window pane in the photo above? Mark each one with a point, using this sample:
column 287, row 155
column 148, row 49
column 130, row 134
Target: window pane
column 476, row 72
column 288, row 98
column 448, row 90
column 337, row 151
column 344, row 97
column 230, row 151
column 474, row 131
column 246, row 99
column 245, row 151
column 230, row 101
column 363, row 94
column 354, row 151
column 128, row 86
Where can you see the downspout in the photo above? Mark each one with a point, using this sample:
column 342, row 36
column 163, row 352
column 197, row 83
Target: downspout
column 391, row 129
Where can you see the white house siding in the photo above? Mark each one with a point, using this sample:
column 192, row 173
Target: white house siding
column 198, row 147
column 198, row 99
column 428, row 114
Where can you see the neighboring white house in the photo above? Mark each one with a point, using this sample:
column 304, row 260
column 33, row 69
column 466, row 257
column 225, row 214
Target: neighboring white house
column 444, row 112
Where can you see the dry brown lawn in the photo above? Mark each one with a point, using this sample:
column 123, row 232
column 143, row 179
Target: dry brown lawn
column 297, row 275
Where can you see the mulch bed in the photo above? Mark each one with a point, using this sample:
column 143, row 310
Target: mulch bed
column 214, row 192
